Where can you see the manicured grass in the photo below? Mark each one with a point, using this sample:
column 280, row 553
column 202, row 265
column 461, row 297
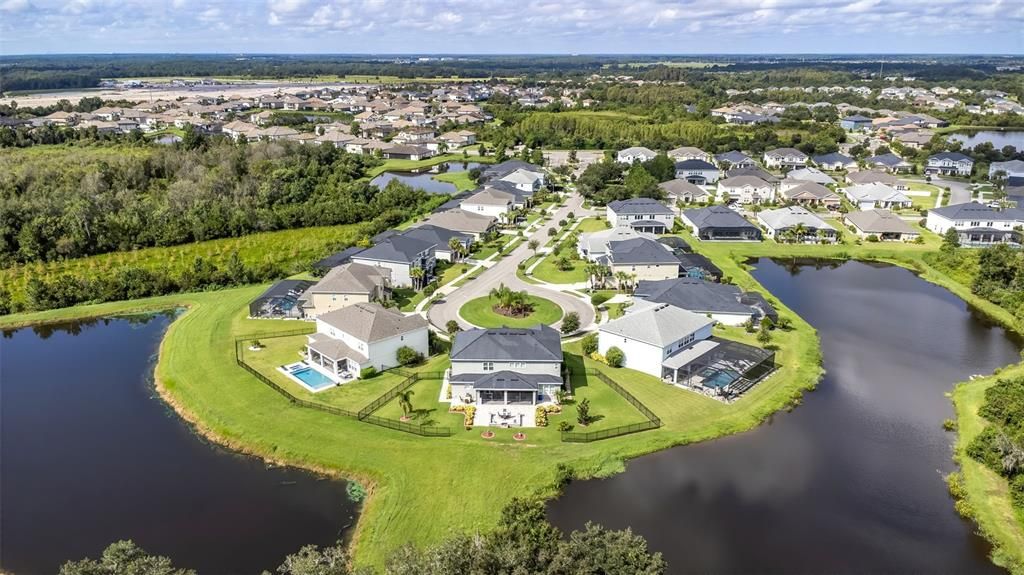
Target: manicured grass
column 592, row 225
column 547, row 270
column 479, row 312
column 291, row 250
column 987, row 493
column 407, row 165
column 616, row 310
column 461, row 180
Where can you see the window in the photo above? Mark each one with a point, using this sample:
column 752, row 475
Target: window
column 515, row 364
column 975, row 224
column 488, row 366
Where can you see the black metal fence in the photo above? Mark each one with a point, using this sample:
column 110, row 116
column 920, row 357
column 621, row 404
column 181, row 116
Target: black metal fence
column 653, row 421
column 365, row 414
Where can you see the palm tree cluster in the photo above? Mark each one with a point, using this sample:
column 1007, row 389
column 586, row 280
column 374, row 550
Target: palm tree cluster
column 511, row 302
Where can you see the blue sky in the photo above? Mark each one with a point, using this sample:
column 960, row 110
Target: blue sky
column 512, row 26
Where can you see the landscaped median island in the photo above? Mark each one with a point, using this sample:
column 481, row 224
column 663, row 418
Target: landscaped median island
column 488, row 312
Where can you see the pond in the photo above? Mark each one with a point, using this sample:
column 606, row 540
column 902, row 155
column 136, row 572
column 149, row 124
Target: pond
column 91, row 455
column 849, row 482
column 424, row 179
column 999, row 139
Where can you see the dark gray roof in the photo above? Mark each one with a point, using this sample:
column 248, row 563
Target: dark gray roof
column 833, row 158
column 734, row 157
column 758, row 172
column 507, row 167
column 436, row 235
column 977, row 211
column 698, row 296
column 695, row 165
column 889, row 159
column 506, row 380
column 336, row 259
column 539, row 343
column 640, row 251
column 856, row 118
column 676, row 243
column 639, row 206
column 399, row 249
column 694, row 260
column 717, row 217
column 290, row 289
column 952, row 156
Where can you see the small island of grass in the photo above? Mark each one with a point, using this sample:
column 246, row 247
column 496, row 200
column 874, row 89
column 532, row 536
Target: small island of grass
column 505, row 307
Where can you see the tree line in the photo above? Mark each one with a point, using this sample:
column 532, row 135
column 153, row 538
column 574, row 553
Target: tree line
column 75, row 201
column 524, row 543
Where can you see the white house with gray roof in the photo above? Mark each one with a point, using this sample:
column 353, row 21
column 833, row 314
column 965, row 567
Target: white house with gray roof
column 593, row 246
column 651, row 336
column 642, row 214
column 361, row 336
column 505, row 367
column 782, row 223
column 634, row 155
column 490, row 202
column 464, row 221
column 642, row 259
column 876, row 195
column 724, row 303
column 400, row 254
column 1010, row 169
column 978, row 224
column 785, row 158
column 745, row 190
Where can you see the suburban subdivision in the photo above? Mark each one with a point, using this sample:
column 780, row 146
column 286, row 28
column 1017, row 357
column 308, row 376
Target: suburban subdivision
column 461, row 288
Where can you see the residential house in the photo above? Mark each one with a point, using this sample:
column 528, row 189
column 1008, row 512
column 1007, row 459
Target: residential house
column 651, row 336
column 280, row 301
column 499, row 171
column 690, row 153
column 458, row 138
column 505, row 367
column 642, row 258
column 745, row 190
column 363, row 335
column 798, row 224
column 834, row 162
column 724, row 303
column 868, row 196
column 400, row 152
column 855, row 123
column 811, row 194
column 949, row 164
column 785, row 158
column 525, row 180
column 700, row 172
column 978, row 224
column 442, row 240
column 490, row 202
column 890, row 162
column 401, row 255
column 719, row 223
column 345, row 285
column 678, row 190
column 809, row 175
column 874, row 177
column 734, row 159
column 642, row 214
column 1011, row 169
column 754, row 171
column 593, row 246
column 634, row 155
column 458, row 220
column 882, row 224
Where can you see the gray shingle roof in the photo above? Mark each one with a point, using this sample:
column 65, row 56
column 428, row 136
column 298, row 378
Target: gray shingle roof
column 640, row 251
column 639, row 206
column 333, row 348
column 694, row 295
column 508, row 380
column 658, row 325
column 717, row 217
column 540, row 343
column 790, row 216
column 399, row 249
column 695, row 165
column 879, row 222
column 372, row 322
column 976, row 211
column 352, row 278
column 436, row 235
column 462, row 221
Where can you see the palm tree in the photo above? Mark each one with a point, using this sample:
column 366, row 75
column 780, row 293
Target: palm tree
column 621, row 278
column 456, row 247
column 417, row 276
column 405, row 402
column 799, row 231
column 509, row 300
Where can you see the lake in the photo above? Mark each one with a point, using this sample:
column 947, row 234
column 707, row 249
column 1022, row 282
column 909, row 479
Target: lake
column 999, row 139
column 424, row 179
column 92, row 455
column 849, row 482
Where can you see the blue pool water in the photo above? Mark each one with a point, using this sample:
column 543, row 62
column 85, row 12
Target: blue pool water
column 312, row 378
column 718, row 379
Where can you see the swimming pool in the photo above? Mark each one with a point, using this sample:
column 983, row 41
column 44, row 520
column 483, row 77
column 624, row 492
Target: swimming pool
column 718, row 379
column 310, row 378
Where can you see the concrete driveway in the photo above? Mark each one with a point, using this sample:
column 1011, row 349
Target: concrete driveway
column 959, row 192
column 504, row 271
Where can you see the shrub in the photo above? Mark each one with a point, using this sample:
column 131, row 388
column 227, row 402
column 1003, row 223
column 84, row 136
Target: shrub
column 599, row 298
column 615, row 357
column 368, row 373
column 563, row 473
column 452, row 327
column 541, row 415
column 562, row 223
column 408, row 356
column 871, row 238
column 564, row 426
column 468, row 412
column 583, row 416
column 428, row 291
column 589, row 343
column 552, row 231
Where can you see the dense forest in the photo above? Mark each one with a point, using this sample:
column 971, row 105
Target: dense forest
column 524, row 543
column 73, row 201
column 1000, row 446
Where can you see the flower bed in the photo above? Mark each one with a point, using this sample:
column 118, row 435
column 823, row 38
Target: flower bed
column 469, row 411
column 541, row 417
column 520, row 436
column 487, row 434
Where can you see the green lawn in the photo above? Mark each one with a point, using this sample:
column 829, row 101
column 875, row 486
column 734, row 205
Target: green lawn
column 547, row 270
column 987, row 493
column 461, row 180
column 588, row 225
column 479, row 312
column 408, row 165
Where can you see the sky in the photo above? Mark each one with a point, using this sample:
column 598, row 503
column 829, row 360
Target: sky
column 512, row 26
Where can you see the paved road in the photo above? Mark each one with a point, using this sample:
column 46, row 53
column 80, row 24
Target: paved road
column 504, row 271
column 959, row 192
